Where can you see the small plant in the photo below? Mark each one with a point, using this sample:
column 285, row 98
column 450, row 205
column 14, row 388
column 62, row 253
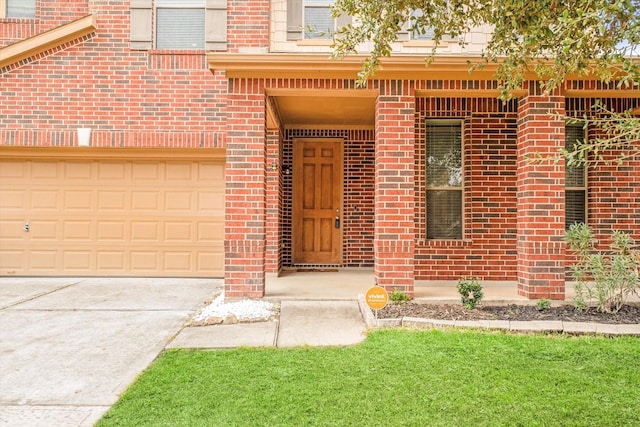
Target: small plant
column 470, row 291
column 543, row 304
column 608, row 278
column 398, row 296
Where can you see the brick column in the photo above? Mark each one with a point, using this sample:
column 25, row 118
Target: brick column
column 394, row 236
column 273, row 254
column 540, row 192
column 245, row 198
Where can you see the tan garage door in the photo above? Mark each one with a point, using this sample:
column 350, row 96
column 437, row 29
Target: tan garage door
column 112, row 216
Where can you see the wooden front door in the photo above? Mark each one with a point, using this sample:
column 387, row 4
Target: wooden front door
column 317, row 201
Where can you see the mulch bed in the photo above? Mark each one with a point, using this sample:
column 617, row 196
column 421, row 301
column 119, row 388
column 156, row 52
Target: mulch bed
column 628, row 314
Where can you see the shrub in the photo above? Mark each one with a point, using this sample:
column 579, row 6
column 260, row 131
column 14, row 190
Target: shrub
column 470, row 291
column 543, row 304
column 398, row 296
column 608, row 278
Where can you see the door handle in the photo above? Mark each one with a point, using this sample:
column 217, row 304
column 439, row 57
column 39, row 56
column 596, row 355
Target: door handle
column 337, row 222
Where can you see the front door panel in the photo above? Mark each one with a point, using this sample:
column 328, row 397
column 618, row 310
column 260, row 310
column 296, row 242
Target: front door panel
column 317, row 201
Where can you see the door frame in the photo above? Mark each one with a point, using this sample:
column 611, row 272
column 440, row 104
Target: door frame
column 338, row 254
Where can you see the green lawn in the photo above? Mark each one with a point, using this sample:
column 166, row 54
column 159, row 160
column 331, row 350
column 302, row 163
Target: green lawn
column 395, row 378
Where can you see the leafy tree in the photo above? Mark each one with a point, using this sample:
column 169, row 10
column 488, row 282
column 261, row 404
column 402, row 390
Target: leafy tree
column 553, row 38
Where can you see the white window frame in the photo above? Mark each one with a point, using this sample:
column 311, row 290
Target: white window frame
column 459, row 188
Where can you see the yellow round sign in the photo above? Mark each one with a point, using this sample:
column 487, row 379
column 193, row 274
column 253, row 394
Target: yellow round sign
column 376, row 298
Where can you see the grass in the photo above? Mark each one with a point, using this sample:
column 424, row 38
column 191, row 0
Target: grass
column 395, row 378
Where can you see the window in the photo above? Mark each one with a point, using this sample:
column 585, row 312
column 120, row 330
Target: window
column 20, row 8
column 318, row 21
column 180, row 24
column 312, row 19
column 575, row 195
column 444, row 179
column 407, row 32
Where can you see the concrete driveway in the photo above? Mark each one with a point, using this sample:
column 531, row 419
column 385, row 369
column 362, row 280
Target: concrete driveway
column 70, row 346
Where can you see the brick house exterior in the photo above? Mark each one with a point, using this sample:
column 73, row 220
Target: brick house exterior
column 250, row 117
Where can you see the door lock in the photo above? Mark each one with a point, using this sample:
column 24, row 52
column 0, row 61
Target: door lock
column 337, row 222
column 26, row 227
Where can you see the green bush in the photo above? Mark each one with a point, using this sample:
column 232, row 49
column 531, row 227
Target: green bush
column 543, row 304
column 609, row 278
column 470, row 291
column 398, row 296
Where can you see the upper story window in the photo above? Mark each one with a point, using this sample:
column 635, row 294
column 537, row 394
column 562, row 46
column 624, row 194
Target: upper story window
column 575, row 194
column 444, row 179
column 19, row 8
column 318, row 22
column 407, row 33
column 312, row 19
column 180, row 24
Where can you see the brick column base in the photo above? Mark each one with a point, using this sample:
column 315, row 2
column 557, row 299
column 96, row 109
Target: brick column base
column 394, row 266
column 244, row 269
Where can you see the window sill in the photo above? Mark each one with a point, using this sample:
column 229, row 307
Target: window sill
column 425, row 43
column 314, row 42
column 176, row 52
column 6, row 20
column 444, row 243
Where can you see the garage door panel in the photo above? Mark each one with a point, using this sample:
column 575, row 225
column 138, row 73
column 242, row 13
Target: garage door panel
column 45, row 171
column 145, row 171
column 12, row 200
column 80, row 231
column 179, row 172
column 45, row 200
column 79, row 170
column 43, row 260
column 178, row 232
column 110, row 172
column 144, row 262
column 11, row 170
column 78, row 200
column 11, row 230
column 210, row 262
column 44, row 230
column 77, row 261
column 178, row 201
column 145, row 200
column 111, row 261
column 12, row 261
column 113, row 231
column 112, row 216
column 112, row 200
column 177, row 262
column 211, row 232
column 144, row 231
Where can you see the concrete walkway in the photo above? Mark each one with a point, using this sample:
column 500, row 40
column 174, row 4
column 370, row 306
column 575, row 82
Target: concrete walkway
column 70, row 347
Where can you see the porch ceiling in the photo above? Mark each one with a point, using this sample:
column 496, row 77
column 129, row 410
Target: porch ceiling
column 326, row 111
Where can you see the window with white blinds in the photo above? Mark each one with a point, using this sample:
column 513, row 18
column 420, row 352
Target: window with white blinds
column 180, row 24
column 444, row 179
column 318, row 20
column 575, row 181
column 21, row 9
column 425, row 33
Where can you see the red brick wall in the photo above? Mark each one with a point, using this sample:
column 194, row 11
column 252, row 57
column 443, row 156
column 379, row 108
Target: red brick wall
column 248, row 25
column 488, row 249
column 129, row 98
